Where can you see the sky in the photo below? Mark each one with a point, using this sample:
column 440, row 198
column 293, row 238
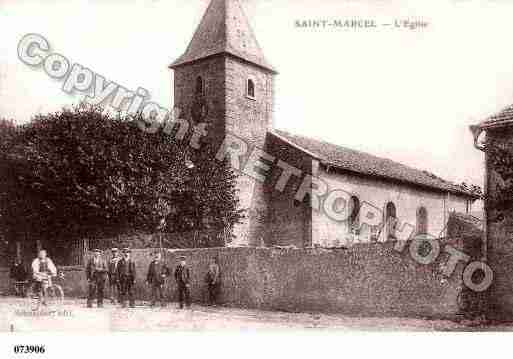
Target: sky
column 408, row 95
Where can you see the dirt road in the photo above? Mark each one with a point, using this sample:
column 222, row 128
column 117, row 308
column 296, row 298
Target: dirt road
column 17, row 315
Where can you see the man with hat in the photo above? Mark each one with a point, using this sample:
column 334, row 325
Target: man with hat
column 183, row 281
column 213, row 281
column 157, row 273
column 96, row 273
column 126, row 277
column 113, row 276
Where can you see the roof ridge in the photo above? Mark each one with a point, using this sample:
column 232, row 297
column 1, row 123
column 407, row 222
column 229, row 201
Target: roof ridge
column 503, row 117
column 363, row 152
column 368, row 163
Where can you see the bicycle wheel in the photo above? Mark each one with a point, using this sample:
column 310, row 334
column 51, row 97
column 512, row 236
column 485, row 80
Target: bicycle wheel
column 54, row 295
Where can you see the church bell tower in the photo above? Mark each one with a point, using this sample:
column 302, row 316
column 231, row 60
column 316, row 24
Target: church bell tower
column 223, row 79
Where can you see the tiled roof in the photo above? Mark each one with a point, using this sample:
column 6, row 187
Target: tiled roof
column 502, row 118
column 366, row 164
column 224, row 28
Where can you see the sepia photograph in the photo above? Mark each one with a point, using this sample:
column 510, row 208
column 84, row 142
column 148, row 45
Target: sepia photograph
column 271, row 166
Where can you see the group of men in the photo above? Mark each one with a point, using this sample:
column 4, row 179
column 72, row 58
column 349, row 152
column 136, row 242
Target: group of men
column 120, row 272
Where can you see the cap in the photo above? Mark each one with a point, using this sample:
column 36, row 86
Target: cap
column 114, row 249
column 181, row 258
column 126, row 250
column 97, row 250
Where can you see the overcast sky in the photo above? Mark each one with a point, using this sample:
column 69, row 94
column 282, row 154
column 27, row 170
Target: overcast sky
column 402, row 94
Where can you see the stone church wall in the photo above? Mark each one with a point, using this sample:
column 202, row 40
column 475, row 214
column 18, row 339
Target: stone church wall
column 377, row 193
column 185, row 98
column 289, row 220
column 228, row 110
column 249, row 119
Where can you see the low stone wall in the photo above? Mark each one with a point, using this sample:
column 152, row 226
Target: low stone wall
column 372, row 280
column 367, row 279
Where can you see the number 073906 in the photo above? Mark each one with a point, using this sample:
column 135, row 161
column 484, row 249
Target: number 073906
column 29, row 349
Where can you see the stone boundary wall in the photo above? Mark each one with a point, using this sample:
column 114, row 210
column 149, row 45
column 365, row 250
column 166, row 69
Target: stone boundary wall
column 365, row 280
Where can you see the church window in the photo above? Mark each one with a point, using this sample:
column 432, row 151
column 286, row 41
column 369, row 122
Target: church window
column 390, row 221
column 422, row 221
column 354, row 214
column 250, row 89
column 200, row 86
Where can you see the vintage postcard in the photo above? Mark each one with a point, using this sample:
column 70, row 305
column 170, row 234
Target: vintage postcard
column 206, row 165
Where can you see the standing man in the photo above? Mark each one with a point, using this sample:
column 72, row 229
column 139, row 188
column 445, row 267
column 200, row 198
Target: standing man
column 183, row 280
column 96, row 273
column 157, row 273
column 113, row 276
column 213, row 281
column 126, row 276
column 18, row 276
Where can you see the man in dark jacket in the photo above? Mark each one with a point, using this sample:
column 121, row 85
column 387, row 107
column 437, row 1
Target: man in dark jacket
column 18, row 275
column 183, row 280
column 157, row 273
column 96, row 273
column 113, row 276
column 126, row 276
column 213, row 281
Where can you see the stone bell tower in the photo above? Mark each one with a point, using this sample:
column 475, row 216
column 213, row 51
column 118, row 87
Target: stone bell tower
column 224, row 80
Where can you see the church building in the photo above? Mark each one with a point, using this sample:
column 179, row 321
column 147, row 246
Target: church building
column 224, row 79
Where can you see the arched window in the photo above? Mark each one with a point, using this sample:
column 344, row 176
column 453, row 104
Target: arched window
column 354, row 214
column 390, row 221
column 199, row 86
column 251, row 89
column 422, row 221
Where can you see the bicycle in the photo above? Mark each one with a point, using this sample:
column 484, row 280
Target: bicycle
column 19, row 288
column 43, row 286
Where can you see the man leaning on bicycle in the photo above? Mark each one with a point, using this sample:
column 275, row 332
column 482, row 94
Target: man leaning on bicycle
column 43, row 270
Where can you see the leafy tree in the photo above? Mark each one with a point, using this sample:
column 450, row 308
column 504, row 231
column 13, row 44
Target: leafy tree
column 501, row 164
column 7, row 133
column 84, row 173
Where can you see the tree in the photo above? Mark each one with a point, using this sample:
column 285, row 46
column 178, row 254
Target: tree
column 499, row 201
column 82, row 172
column 7, row 133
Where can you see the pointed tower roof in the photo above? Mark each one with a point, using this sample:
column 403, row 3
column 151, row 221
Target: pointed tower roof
column 224, row 28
